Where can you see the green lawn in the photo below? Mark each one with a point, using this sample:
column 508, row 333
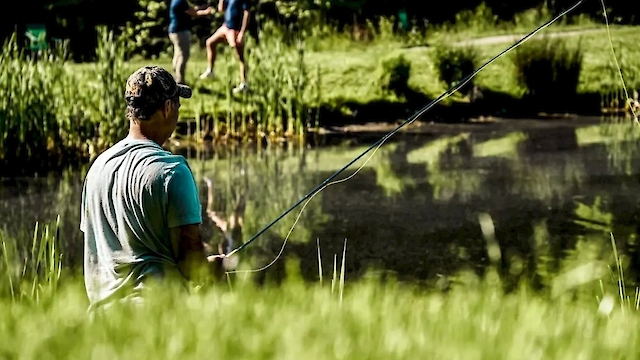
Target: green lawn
column 348, row 71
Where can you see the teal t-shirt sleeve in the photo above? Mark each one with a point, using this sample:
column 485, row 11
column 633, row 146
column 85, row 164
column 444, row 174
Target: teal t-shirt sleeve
column 183, row 206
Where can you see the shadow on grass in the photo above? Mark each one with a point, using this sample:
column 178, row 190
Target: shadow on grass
column 488, row 104
column 458, row 109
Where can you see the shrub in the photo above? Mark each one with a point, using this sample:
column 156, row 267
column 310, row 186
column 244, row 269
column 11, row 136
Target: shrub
column 548, row 69
column 393, row 74
column 455, row 63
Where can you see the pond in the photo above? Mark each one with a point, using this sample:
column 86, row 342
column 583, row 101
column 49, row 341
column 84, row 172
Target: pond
column 532, row 200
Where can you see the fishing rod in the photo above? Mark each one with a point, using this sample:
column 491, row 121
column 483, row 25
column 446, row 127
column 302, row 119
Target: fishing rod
column 408, row 121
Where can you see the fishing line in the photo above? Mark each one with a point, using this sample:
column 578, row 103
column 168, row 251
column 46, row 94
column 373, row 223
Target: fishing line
column 327, row 182
column 615, row 58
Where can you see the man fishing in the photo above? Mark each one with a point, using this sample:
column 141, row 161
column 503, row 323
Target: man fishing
column 140, row 212
column 236, row 17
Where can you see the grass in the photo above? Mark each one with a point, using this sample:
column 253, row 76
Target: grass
column 366, row 318
column 322, row 79
column 348, row 74
column 347, row 69
column 598, row 69
column 296, row 321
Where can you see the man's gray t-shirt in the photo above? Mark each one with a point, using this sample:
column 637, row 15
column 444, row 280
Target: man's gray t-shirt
column 133, row 194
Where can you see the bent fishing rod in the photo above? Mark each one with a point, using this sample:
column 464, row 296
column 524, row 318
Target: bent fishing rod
column 408, row 121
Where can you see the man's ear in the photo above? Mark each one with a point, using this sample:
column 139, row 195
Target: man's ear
column 166, row 107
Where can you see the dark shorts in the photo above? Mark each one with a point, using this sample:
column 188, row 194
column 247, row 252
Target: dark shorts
column 234, row 24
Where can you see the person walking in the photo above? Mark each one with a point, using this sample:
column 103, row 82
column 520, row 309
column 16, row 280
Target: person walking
column 180, row 18
column 236, row 18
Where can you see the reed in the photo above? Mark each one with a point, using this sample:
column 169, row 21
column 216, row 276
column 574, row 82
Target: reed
column 283, row 92
column 32, row 274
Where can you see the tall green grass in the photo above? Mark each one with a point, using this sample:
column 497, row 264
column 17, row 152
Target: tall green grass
column 52, row 109
column 283, row 97
column 296, row 321
column 51, row 113
column 29, row 127
column 29, row 274
column 368, row 318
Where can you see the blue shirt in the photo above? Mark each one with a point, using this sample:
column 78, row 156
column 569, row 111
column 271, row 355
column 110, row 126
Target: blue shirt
column 133, row 194
column 179, row 20
column 233, row 13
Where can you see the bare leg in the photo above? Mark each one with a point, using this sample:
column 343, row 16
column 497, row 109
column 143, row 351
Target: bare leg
column 210, row 44
column 238, row 51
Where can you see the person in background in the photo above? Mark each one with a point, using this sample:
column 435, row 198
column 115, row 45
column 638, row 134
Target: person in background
column 180, row 14
column 236, row 17
column 140, row 210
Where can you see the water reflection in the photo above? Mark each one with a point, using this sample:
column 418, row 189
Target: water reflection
column 553, row 195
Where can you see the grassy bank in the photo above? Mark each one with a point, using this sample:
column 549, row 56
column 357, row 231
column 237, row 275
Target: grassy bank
column 296, row 321
column 320, row 78
column 293, row 320
column 370, row 318
column 348, row 73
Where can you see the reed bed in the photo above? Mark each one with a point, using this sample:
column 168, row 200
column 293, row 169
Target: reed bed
column 52, row 114
column 53, row 111
column 283, row 100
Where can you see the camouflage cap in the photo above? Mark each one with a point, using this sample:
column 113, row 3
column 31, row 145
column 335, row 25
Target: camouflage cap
column 152, row 85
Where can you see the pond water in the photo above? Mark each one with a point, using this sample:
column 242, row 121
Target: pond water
column 422, row 209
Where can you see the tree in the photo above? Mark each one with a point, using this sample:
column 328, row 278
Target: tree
column 147, row 35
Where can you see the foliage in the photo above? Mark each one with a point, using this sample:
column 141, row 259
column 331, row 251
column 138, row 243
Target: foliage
column 38, row 274
column 113, row 124
column 454, row 63
column 29, row 87
column 51, row 113
column 548, row 69
column 147, row 36
column 393, row 74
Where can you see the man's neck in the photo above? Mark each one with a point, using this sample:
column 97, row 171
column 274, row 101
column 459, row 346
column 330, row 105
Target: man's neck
column 137, row 134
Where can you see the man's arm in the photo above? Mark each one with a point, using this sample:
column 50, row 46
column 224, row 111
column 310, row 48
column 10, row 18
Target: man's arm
column 196, row 11
column 184, row 218
column 190, row 256
column 220, row 5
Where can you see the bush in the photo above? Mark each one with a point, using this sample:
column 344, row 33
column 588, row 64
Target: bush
column 548, row 70
column 455, row 63
column 53, row 115
column 393, row 74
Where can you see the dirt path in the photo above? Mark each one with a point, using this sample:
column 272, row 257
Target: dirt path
column 511, row 38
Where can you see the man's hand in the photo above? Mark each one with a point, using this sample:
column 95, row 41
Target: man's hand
column 213, row 258
column 197, row 11
column 240, row 37
column 189, row 248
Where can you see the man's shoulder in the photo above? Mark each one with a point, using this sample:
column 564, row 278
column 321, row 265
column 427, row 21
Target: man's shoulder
column 178, row 3
column 143, row 153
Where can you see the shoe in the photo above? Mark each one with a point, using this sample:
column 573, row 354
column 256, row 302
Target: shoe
column 207, row 74
column 241, row 88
